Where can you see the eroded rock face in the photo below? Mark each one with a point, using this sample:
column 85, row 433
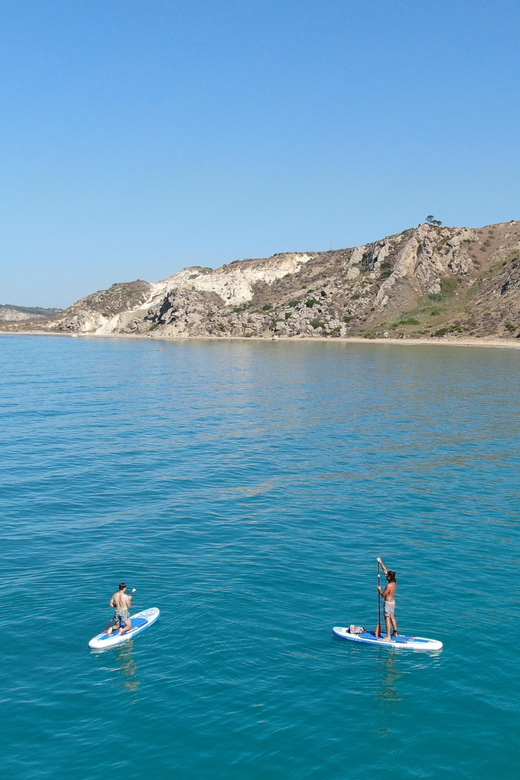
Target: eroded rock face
column 234, row 283
column 419, row 282
column 105, row 311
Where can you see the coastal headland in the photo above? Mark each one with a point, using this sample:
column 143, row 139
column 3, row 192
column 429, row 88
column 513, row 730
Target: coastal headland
column 427, row 284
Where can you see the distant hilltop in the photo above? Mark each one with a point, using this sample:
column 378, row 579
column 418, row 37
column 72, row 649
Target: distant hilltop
column 11, row 313
column 429, row 281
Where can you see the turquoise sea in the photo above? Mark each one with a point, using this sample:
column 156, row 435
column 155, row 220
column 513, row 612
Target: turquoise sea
column 246, row 488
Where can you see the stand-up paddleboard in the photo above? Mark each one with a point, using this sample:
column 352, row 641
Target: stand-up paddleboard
column 140, row 622
column 401, row 642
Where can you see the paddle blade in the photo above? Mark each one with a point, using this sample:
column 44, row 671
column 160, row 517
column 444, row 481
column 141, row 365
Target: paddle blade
column 378, row 629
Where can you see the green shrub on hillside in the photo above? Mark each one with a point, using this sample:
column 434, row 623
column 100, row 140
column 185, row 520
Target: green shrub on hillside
column 386, row 270
column 449, row 285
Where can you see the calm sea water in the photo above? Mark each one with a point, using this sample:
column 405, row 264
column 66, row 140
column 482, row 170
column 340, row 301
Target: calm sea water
column 245, row 489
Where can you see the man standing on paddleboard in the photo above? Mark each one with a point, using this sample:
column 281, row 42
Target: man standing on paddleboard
column 389, row 596
column 121, row 602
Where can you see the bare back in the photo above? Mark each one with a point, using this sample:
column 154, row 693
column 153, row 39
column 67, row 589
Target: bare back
column 120, row 600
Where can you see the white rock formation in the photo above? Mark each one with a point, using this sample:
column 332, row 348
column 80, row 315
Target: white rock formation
column 233, row 282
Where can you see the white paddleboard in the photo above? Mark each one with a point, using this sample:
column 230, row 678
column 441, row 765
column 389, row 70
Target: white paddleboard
column 401, row 642
column 140, row 622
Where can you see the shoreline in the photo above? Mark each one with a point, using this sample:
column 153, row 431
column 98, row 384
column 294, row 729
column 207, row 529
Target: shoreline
column 487, row 342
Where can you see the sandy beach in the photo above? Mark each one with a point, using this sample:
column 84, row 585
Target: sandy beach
column 443, row 341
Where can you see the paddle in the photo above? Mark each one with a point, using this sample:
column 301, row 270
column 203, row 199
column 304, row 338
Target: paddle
column 378, row 629
column 108, row 625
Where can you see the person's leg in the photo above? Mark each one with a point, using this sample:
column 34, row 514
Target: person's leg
column 113, row 628
column 394, row 622
column 388, row 629
column 127, row 628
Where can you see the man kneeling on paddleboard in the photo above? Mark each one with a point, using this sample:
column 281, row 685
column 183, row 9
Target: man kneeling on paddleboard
column 389, row 596
column 121, row 602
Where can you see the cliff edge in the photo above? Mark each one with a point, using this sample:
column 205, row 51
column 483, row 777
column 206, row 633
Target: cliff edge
column 429, row 281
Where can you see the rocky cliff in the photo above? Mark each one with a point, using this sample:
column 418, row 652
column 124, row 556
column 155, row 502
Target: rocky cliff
column 427, row 281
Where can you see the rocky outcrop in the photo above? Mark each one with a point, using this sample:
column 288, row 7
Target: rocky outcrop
column 426, row 281
column 106, row 311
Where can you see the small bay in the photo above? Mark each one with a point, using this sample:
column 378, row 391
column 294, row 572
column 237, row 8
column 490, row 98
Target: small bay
column 245, row 488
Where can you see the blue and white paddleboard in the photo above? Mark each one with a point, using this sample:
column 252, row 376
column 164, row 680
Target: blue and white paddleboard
column 140, row 622
column 402, row 642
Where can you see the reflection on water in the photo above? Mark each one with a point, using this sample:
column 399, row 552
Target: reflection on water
column 389, row 675
column 128, row 666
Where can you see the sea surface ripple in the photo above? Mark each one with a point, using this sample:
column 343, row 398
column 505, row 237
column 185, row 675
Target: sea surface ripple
column 245, row 489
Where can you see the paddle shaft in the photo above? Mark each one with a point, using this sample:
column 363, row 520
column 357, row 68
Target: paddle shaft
column 112, row 619
column 378, row 630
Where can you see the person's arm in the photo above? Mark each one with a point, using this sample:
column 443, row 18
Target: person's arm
column 382, row 592
column 112, row 602
column 382, row 565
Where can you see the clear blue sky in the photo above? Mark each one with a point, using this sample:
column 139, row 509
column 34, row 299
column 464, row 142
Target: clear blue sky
column 141, row 136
